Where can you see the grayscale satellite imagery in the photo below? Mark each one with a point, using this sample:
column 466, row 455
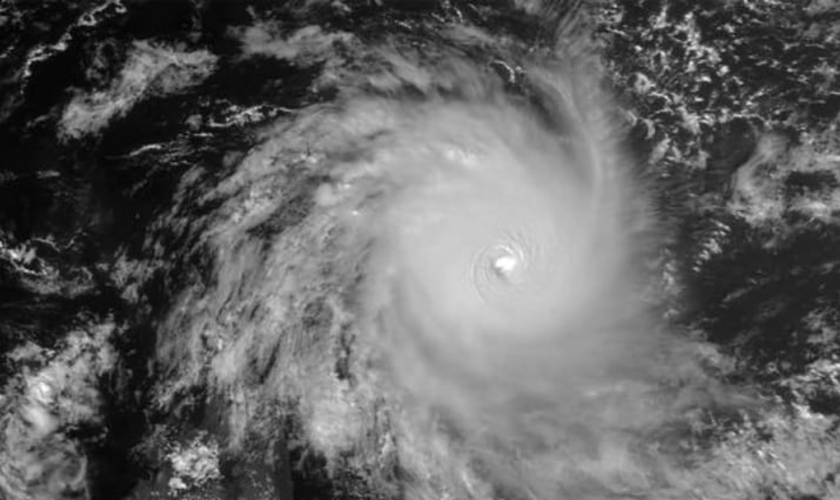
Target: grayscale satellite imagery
column 420, row 249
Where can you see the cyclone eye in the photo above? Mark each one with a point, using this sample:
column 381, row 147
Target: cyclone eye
column 505, row 261
column 505, row 265
column 503, row 269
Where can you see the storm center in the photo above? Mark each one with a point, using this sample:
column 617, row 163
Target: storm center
column 505, row 265
column 505, row 262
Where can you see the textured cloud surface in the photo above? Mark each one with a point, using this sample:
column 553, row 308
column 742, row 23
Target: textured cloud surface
column 501, row 284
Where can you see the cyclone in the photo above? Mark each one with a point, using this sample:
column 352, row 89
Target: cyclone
column 504, row 266
column 502, row 252
column 395, row 252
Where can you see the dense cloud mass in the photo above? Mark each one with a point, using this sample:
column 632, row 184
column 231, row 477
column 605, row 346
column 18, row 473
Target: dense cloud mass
column 502, row 281
column 506, row 288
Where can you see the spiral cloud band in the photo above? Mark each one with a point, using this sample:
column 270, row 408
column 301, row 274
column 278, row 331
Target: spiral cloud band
column 503, row 263
column 459, row 307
